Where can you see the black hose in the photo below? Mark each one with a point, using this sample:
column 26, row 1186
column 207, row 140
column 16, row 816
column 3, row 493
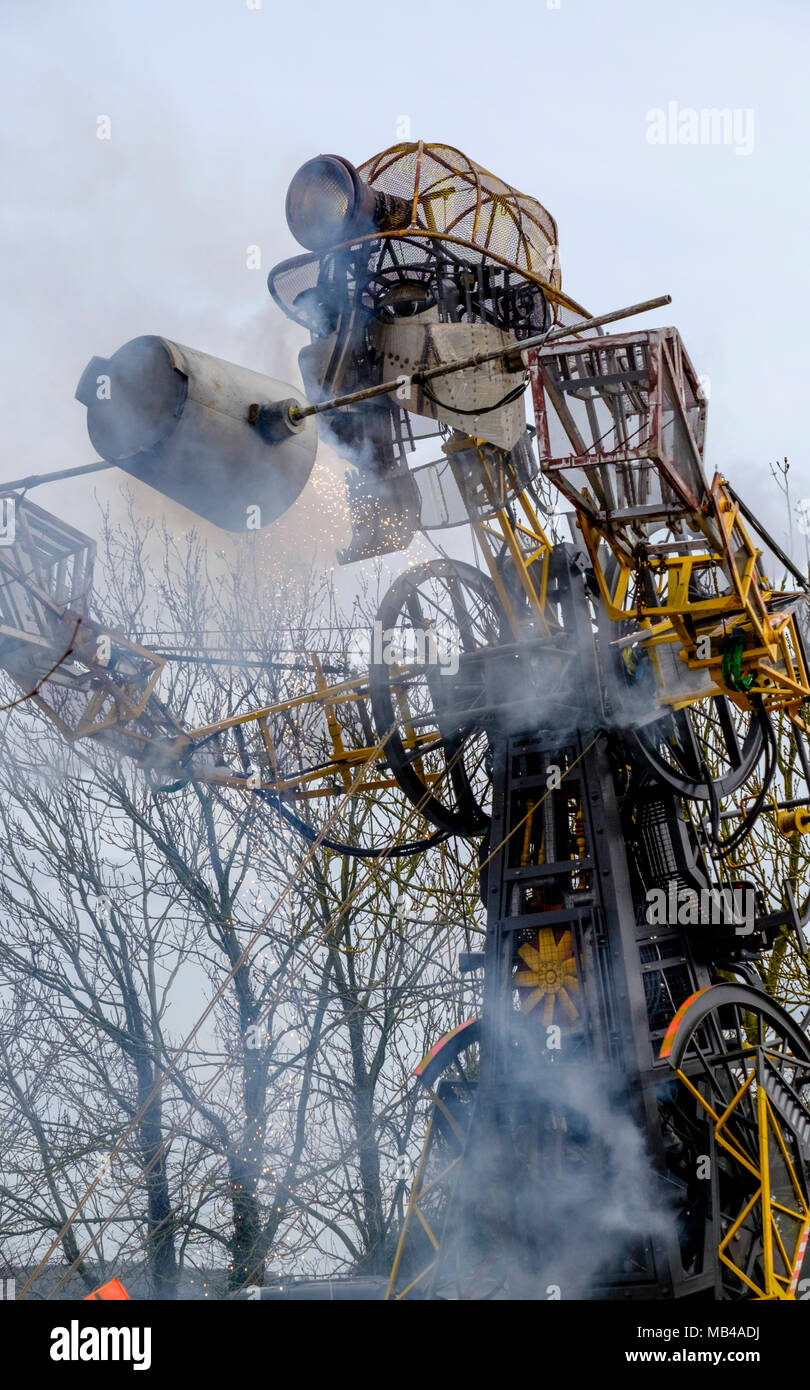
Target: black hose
column 726, row 847
column 481, row 410
column 713, row 800
column 351, row 851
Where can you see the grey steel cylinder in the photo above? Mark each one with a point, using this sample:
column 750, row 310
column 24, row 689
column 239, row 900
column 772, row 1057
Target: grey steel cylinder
column 213, row 436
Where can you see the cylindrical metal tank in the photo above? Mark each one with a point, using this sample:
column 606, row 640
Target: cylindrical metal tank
column 213, row 436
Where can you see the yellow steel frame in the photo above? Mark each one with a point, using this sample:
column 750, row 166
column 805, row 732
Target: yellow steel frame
column 772, row 654
column 414, row 1208
column 117, row 707
column 526, row 540
column 115, row 701
column 775, row 1286
column 304, row 784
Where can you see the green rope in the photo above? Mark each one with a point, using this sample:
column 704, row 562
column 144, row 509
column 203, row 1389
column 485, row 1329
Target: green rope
column 731, row 667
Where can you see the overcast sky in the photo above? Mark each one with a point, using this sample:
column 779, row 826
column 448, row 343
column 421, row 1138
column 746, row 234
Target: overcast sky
column 213, row 105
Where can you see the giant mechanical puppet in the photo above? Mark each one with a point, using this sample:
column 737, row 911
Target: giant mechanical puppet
column 606, row 734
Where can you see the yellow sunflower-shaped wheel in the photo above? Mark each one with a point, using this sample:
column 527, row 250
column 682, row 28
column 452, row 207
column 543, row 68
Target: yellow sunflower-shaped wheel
column 549, row 974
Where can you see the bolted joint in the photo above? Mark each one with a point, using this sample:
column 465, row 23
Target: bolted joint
column 469, row 961
column 513, row 360
column 391, row 213
column 277, row 421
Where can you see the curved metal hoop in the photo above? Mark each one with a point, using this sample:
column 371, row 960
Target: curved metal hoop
column 416, row 706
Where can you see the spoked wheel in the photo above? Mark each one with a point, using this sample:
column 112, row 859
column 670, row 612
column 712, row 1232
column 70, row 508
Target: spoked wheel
column 747, row 1064
column 713, row 737
column 428, row 689
column 449, row 1074
column 704, row 751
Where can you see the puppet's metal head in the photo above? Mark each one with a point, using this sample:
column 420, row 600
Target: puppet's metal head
column 419, row 256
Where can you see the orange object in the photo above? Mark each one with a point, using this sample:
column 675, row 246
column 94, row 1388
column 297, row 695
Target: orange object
column 669, row 1036
column 113, row 1289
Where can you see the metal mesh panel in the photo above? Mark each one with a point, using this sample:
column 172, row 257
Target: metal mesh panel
column 664, row 992
column 48, row 568
column 614, row 438
column 457, row 207
column 452, row 196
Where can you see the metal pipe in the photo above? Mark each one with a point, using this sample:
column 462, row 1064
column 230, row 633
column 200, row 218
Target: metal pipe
column 369, row 392
column 769, row 541
column 480, row 358
column 777, row 806
column 36, row 479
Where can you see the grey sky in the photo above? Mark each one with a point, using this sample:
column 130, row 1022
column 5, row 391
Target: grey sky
column 213, row 106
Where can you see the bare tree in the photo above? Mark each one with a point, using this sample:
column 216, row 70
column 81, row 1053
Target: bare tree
column 277, row 1131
